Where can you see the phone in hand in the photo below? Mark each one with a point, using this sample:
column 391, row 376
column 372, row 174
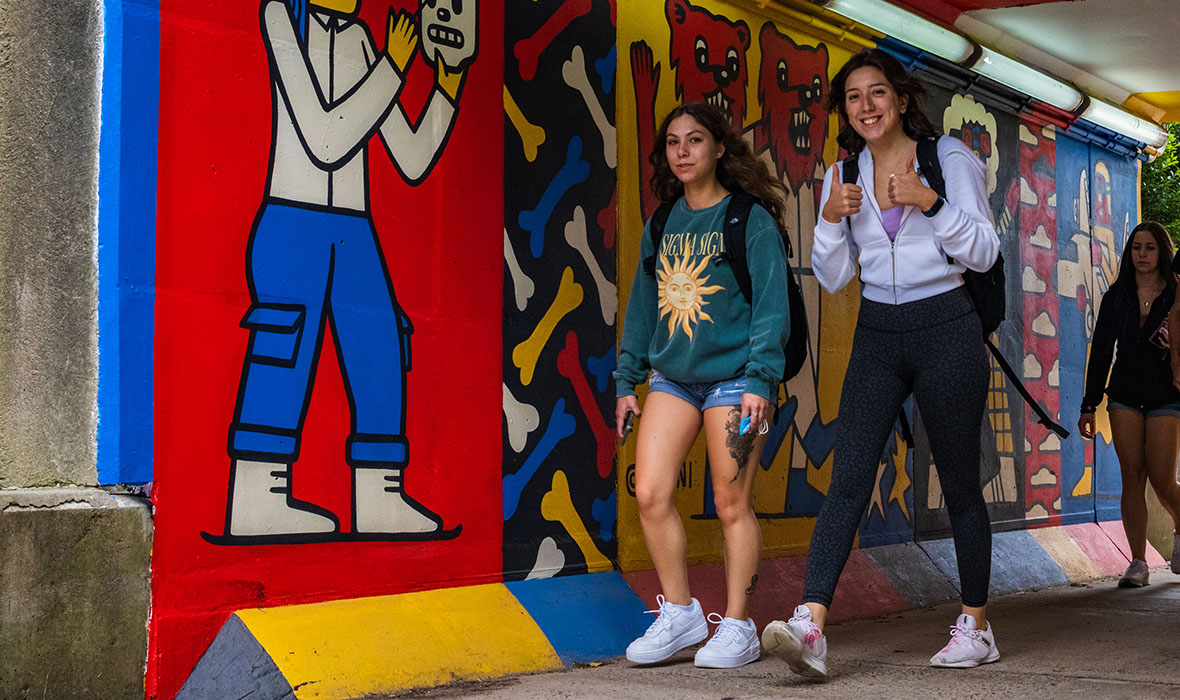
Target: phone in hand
column 628, row 423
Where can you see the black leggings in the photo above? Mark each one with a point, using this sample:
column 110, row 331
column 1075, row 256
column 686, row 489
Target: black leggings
column 933, row 348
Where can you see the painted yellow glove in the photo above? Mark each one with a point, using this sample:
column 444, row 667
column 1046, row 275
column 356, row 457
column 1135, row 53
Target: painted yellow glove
column 449, row 82
column 402, row 39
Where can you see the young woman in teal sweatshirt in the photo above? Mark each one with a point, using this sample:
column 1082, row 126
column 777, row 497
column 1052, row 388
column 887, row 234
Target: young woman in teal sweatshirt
column 715, row 359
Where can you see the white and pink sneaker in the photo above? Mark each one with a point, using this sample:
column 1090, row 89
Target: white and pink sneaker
column 799, row 642
column 969, row 646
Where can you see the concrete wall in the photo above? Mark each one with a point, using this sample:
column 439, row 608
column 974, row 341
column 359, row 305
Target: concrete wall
column 49, row 92
column 74, row 561
column 73, row 594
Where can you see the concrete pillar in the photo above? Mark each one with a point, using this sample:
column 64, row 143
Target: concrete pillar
column 49, row 116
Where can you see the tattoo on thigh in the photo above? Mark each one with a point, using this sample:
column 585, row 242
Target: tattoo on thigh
column 753, row 584
column 740, row 446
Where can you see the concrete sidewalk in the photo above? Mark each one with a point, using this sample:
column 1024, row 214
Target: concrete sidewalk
column 1088, row 640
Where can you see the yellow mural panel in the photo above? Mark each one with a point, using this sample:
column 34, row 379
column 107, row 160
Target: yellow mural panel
column 670, row 52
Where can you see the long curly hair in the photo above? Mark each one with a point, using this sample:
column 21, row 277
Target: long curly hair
column 914, row 121
column 737, row 169
column 1163, row 242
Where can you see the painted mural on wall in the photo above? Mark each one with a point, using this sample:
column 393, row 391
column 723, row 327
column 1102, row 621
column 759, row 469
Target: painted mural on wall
column 1098, row 207
column 325, row 148
column 993, row 135
column 771, row 75
column 771, row 78
column 560, row 300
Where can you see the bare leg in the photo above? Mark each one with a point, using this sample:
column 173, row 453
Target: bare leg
column 733, row 459
column 1127, row 428
column 666, row 432
column 819, row 614
column 1162, row 445
column 980, row 615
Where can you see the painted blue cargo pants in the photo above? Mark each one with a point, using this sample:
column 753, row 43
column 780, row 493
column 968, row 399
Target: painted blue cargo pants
column 309, row 267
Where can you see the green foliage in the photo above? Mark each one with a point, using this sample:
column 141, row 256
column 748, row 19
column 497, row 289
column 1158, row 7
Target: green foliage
column 1161, row 186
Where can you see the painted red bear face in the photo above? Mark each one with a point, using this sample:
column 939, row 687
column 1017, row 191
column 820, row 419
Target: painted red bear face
column 708, row 53
column 791, row 84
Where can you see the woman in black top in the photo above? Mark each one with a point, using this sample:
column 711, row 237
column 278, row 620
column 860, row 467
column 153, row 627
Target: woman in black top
column 1143, row 403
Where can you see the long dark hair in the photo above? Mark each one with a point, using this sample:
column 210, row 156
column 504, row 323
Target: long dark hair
column 1163, row 242
column 737, row 169
column 914, row 121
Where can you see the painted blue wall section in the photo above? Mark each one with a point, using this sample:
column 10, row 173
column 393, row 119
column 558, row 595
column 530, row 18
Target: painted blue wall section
column 127, row 239
column 585, row 618
column 1073, row 159
column 1019, row 563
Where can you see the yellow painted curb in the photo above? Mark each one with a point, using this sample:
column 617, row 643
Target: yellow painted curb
column 346, row 648
column 1066, row 553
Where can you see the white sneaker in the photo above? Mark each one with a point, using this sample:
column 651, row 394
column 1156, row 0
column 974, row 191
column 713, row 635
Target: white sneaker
column 1136, row 575
column 799, row 642
column 735, row 643
column 969, row 646
column 676, row 627
column 1176, row 553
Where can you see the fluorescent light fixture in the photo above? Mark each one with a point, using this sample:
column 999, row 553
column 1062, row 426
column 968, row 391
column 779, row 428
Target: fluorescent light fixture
column 1125, row 123
column 906, row 26
column 1028, row 80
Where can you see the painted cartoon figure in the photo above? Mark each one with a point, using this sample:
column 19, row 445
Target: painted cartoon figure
column 792, row 82
column 314, row 258
column 708, row 54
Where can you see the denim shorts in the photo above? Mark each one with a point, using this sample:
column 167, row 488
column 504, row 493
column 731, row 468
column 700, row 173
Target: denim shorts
column 702, row 395
column 1171, row 410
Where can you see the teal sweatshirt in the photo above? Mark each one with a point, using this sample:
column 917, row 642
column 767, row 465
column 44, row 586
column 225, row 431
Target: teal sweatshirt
column 690, row 322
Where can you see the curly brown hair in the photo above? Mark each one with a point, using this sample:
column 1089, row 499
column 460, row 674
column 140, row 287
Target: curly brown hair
column 737, row 169
column 914, row 121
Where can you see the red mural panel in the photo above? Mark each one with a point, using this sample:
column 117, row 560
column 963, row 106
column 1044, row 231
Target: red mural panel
column 1036, row 190
column 328, row 314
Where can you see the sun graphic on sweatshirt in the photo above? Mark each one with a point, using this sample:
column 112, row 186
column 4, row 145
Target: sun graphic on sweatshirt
column 681, row 290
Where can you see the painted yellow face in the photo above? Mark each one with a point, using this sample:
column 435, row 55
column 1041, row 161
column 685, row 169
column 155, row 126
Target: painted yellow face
column 682, row 289
column 345, row 6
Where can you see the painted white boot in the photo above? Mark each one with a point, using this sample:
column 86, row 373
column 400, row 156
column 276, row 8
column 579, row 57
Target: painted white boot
column 261, row 503
column 380, row 507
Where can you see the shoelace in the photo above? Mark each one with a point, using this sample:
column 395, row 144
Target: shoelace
column 663, row 617
column 813, row 631
column 728, row 631
column 960, row 636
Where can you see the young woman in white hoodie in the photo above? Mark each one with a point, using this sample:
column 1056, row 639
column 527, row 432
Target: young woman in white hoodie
column 917, row 332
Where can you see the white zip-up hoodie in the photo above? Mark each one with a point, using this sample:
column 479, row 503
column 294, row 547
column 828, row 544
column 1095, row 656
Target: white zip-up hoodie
column 914, row 265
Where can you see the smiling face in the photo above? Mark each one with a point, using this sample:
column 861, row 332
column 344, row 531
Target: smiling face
column 1145, row 254
column 692, row 151
column 872, row 105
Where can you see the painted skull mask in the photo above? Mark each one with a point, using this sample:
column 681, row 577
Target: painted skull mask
column 449, row 31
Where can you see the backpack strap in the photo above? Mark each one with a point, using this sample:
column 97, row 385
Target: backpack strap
column 928, row 165
column 656, row 231
column 1044, row 418
column 850, row 170
column 734, row 232
column 930, row 168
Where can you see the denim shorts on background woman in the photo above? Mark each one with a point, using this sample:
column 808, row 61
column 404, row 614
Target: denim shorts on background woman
column 1172, row 410
column 702, row 395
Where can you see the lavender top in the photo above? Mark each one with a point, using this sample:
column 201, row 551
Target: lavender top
column 891, row 218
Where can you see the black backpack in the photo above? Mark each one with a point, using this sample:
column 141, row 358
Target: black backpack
column 734, row 233
column 986, row 289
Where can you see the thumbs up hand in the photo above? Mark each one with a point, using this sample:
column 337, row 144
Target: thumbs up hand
column 906, row 188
